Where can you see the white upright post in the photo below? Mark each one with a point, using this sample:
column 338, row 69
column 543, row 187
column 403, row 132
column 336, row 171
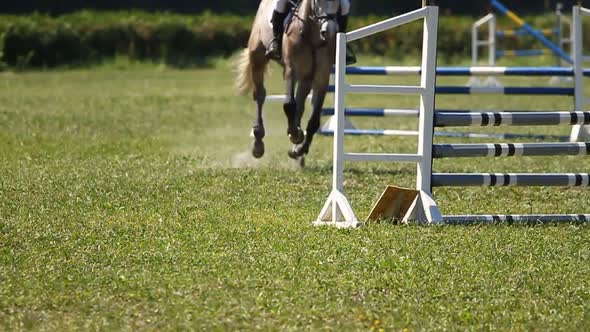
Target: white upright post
column 474, row 45
column 559, row 27
column 492, row 38
column 337, row 210
column 492, row 80
column 490, row 43
column 427, row 82
column 565, row 42
column 340, row 79
column 579, row 133
column 474, row 81
column 571, row 36
column 424, row 208
column 562, row 41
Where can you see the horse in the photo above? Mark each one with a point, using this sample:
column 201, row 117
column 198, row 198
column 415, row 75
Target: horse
column 308, row 53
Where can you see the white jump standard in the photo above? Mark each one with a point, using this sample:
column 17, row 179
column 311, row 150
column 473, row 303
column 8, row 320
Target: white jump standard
column 337, row 210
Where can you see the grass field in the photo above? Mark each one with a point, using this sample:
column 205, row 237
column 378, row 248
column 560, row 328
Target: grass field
column 128, row 201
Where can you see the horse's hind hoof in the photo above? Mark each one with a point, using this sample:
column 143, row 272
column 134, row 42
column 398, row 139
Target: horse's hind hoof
column 297, row 137
column 258, row 148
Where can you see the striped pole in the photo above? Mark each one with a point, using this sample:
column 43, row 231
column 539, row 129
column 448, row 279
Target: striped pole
column 372, row 132
column 466, row 71
column 522, row 53
column 510, row 150
column 516, row 218
column 517, row 90
column 501, row 136
column 466, row 90
column 522, row 32
column 534, row 32
column 458, row 90
column 511, row 179
column 516, row 118
column 374, row 112
column 450, row 134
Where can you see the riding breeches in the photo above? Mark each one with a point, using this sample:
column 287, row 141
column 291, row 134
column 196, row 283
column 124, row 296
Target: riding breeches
column 282, row 6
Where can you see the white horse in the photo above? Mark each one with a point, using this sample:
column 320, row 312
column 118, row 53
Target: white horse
column 308, row 52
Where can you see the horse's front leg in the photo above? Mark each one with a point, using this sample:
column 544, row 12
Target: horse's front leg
column 290, row 107
column 319, row 94
column 303, row 89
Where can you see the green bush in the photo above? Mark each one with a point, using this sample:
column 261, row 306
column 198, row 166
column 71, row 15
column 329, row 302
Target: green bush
column 87, row 37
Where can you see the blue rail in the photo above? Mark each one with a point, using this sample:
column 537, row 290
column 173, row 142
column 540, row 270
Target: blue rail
column 466, row 71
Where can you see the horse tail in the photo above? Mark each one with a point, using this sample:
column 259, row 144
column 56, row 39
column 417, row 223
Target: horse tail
column 244, row 82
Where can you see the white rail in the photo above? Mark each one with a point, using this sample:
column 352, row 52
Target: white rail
column 386, row 25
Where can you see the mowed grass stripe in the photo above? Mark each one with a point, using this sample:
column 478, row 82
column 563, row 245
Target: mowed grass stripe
column 127, row 201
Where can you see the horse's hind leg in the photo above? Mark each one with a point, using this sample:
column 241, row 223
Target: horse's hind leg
column 259, row 63
column 319, row 94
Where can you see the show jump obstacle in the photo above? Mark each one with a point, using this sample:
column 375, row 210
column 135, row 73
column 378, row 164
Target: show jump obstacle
column 337, row 210
column 423, row 208
column 523, row 30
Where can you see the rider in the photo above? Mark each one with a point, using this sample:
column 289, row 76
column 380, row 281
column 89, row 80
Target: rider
column 281, row 8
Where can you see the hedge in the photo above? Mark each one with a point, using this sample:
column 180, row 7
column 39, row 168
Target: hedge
column 87, row 37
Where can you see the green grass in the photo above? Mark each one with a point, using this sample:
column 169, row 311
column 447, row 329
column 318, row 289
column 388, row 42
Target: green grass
column 128, row 201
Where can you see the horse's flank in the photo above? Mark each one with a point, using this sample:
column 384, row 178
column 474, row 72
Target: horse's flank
column 260, row 37
column 297, row 51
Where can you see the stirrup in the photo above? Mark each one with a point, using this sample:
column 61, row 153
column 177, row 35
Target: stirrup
column 273, row 53
column 350, row 56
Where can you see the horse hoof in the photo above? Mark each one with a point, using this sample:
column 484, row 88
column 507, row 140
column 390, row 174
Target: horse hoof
column 258, row 132
column 296, row 152
column 292, row 154
column 297, row 137
column 258, row 148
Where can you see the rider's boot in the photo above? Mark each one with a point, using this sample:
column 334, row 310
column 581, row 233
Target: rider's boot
column 343, row 25
column 273, row 51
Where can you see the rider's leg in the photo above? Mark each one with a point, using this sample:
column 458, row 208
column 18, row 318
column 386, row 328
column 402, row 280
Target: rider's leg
column 278, row 18
column 343, row 25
